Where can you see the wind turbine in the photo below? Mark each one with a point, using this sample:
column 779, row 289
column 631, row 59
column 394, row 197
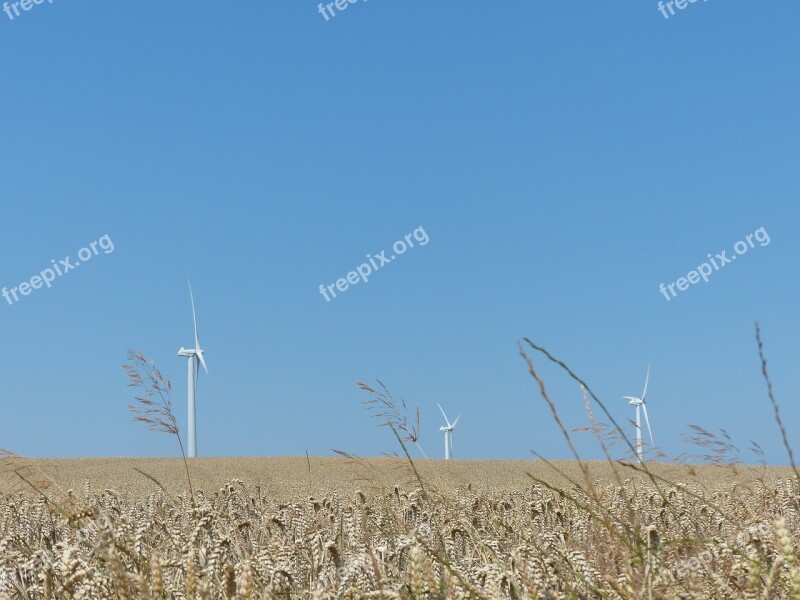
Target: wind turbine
column 448, row 434
column 641, row 404
column 195, row 356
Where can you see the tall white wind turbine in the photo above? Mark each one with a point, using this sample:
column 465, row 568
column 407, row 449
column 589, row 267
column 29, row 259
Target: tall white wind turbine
column 195, row 356
column 641, row 405
column 448, row 434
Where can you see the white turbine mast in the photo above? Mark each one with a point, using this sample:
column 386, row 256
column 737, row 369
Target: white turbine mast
column 195, row 356
column 448, row 433
column 641, row 405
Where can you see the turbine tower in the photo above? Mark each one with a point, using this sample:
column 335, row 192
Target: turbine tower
column 448, row 434
column 641, row 405
column 195, row 356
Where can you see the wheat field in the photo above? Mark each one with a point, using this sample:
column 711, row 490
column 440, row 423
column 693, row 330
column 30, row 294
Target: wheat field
column 353, row 528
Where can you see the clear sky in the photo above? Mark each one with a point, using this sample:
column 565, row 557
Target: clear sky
column 562, row 158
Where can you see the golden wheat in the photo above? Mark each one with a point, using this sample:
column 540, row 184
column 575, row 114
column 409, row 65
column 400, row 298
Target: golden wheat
column 686, row 539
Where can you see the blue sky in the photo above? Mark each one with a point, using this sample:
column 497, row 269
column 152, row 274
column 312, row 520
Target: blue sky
column 563, row 158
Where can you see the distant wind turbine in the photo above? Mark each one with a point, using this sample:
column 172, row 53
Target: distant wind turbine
column 448, row 434
column 195, row 356
column 641, row 404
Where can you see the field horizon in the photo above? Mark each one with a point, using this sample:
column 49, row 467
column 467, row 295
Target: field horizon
column 288, row 476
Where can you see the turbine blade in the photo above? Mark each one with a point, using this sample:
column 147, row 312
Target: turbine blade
column 647, row 420
column 646, row 381
column 194, row 318
column 198, row 350
column 444, row 415
column 456, row 421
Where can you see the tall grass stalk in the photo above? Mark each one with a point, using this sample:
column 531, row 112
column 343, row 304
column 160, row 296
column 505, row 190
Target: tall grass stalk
column 154, row 407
